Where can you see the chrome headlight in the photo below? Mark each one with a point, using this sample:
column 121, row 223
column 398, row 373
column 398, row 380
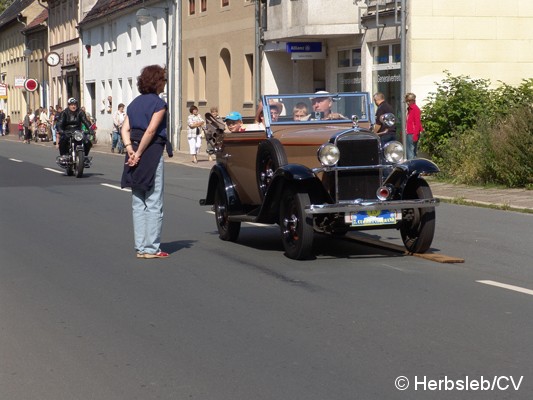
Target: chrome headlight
column 328, row 154
column 388, row 119
column 393, row 152
column 78, row 136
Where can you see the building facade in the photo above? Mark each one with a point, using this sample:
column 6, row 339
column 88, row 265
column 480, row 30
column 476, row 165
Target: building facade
column 116, row 44
column 23, row 44
column 218, row 57
column 227, row 53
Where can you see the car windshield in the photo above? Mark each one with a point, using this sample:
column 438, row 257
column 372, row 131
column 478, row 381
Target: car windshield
column 316, row 108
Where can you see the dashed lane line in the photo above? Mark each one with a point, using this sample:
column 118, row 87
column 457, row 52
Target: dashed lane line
column 508, row 287
column 54, row 170
column 14, row 159
column 115, row 187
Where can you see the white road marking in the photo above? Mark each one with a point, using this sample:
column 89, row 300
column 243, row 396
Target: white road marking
column 54, row 170
column 115, row 187
column 509, row 287
column 14, row 159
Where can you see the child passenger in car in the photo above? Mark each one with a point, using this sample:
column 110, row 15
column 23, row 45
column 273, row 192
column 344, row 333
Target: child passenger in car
column 300, row 112
column 234, row 122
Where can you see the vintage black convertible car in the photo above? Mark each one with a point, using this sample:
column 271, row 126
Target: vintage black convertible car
column 318, row 167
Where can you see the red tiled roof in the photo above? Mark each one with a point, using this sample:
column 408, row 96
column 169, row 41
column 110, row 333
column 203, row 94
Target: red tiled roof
column 103, row 8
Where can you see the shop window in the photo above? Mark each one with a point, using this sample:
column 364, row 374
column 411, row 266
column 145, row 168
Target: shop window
column 349, row 58
column 381, row 55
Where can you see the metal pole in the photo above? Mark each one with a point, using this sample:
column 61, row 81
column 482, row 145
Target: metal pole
column 169, row 78
column 258, row 52
column 403, row 72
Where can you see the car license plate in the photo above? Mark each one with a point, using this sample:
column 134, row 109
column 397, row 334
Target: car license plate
column 370, row 218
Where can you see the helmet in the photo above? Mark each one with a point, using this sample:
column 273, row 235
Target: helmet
column 72, row 100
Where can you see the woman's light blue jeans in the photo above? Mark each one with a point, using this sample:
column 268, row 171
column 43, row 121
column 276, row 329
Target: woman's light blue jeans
column 148, row 214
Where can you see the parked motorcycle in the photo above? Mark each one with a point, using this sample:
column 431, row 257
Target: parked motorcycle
column 75, row 161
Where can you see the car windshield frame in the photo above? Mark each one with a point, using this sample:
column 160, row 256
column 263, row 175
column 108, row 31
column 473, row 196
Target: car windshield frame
column 343, row 106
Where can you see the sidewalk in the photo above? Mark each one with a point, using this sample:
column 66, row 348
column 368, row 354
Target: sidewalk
column 516, row 199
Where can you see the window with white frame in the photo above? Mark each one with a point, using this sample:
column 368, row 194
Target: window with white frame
column 349, row 70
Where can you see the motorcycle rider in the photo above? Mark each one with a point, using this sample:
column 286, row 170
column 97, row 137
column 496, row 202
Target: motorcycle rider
column 71, row 120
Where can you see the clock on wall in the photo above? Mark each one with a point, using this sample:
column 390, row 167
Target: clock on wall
column 52, row 59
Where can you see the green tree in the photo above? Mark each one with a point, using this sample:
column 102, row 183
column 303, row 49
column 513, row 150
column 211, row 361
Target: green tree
column 5, row 4
column 479, row 135
column 454, row 108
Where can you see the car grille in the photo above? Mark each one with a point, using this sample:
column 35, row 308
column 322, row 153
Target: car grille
column 358, row 150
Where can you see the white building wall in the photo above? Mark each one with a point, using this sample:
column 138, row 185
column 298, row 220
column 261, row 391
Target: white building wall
column 118, row 55
column 488, row 39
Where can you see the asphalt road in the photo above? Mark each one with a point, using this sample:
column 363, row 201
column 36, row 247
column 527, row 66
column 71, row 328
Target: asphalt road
column 82, row 318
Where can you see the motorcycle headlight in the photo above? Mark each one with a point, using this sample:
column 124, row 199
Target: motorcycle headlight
column 393, row 152
column 78, row 136
column 328, row 154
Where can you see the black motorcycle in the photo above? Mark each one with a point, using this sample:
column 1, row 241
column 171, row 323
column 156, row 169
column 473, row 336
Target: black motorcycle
column 76, row 161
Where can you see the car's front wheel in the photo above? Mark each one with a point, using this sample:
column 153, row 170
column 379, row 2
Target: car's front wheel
column 227, row 230
column 418, row 225
column 296, row 227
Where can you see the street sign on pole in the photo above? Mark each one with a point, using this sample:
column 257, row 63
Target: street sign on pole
column 31, row 85
column 3, row 91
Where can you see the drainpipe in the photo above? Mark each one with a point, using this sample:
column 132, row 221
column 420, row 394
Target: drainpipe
column 403, row 64
column 258, row 51
column 177, row 46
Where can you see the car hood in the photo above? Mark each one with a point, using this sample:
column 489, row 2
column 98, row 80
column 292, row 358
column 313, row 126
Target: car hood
column 311, row 135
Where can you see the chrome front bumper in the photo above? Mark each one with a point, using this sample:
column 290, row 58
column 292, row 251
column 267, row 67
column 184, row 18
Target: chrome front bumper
column 361, row 205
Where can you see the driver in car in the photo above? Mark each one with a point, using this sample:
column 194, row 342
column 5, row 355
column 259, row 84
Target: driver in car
column 321, row 105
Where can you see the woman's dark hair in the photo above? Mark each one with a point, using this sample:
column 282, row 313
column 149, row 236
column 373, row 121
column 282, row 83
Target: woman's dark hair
column 150, row 79
column 192, row 108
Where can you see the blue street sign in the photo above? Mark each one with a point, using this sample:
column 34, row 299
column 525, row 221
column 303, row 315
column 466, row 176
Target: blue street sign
column 304, row 47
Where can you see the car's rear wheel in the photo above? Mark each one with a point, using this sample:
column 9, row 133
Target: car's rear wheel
column 270, row 156
column 418, row 225
column 296, row 227
column 227, row 230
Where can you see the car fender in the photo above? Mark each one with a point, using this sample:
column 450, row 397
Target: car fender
column 296, row 175
column 410, row 169
column 219, row 174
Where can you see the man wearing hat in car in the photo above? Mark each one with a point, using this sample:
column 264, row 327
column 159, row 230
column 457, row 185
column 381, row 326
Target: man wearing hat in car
column 234, row 122
column 321, row 104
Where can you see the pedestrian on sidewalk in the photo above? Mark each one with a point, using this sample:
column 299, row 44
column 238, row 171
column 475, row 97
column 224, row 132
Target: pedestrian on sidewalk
column 194, row 133
column 2, row 119
column 28, row 120
column 387, row 133
column 8, row 122
column 144, row 141
column 118, row 120
column 413, row 126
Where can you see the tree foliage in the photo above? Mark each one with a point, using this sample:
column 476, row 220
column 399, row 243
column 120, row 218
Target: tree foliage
column 481, row 135
column 5, row 4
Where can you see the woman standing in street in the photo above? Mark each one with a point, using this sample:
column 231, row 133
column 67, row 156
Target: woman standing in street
column 194, row 134
column 144, row 136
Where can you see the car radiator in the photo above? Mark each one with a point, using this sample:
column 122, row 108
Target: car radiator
column 357, row 150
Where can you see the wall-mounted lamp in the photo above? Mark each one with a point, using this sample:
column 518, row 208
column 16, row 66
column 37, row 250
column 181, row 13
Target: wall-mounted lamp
column 143, row 15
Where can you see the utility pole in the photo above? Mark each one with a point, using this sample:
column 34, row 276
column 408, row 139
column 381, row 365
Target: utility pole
column 403, row 65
